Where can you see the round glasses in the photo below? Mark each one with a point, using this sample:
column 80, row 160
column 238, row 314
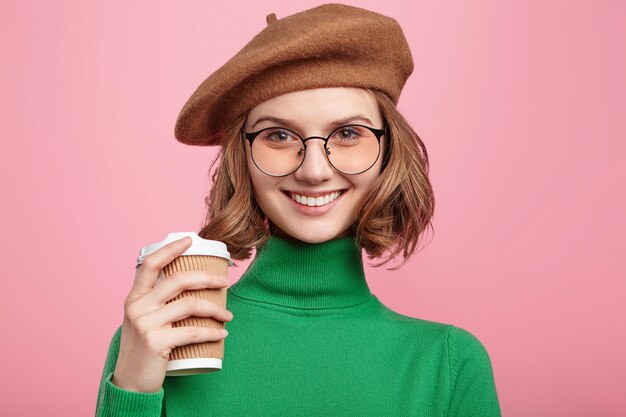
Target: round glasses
column 350, row 149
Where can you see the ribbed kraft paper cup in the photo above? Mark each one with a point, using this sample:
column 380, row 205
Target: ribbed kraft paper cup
column 203, row 255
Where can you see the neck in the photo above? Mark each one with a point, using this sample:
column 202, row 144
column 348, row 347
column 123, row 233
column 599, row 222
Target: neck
column 292, row 273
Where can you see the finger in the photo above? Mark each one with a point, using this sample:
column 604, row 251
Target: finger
column 184, row 308
column 180, row 336
column 148, row 271
column 184, row 280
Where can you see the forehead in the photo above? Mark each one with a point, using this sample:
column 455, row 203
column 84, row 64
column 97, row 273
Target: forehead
column 314, row 107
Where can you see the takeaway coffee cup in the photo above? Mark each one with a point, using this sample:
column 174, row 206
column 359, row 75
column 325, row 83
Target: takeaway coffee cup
column 202, row 255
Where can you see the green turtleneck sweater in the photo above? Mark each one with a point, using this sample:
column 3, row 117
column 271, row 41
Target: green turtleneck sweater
column 308, row 338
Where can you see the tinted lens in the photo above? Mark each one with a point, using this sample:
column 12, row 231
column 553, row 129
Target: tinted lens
column 353, row 149
column 277, row 151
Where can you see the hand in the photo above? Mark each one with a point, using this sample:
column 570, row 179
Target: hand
column 147, row 334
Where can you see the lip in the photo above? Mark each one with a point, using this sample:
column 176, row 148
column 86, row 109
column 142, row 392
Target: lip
column 314, row 211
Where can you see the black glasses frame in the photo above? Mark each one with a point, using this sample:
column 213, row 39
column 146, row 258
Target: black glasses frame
column 252, row 135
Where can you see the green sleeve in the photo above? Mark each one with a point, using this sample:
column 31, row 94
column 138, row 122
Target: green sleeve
column 117, row 402
column 473, row 390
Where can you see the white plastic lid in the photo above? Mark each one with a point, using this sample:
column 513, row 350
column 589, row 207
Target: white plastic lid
column 194, row 366
column 198, row 246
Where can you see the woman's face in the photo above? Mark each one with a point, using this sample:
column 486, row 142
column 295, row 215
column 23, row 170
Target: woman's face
column 312, row 113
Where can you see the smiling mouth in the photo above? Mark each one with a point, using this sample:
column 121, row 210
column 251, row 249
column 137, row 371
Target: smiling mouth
column 317, row 201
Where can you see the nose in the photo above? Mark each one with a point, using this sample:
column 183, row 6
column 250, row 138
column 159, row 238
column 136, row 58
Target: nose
column 315, row 168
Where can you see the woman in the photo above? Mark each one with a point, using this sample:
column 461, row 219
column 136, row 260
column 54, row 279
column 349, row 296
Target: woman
column 316, row 164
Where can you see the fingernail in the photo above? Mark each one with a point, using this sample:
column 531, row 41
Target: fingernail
column 224, row 332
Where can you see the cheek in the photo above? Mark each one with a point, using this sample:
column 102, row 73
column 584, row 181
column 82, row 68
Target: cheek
column 258, row 189
column 263, row 188
column 364, row 183
column 255, row 175
column 249, row 158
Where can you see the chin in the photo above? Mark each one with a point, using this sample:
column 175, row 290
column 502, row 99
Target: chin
column 317, row 236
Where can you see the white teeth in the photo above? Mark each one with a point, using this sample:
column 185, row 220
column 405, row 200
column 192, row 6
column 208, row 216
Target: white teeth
column 315, row 201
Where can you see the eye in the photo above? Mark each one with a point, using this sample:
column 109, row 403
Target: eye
column 278, row 135
column 347, row 133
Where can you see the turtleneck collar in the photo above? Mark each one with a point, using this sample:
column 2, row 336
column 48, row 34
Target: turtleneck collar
column 292, row 273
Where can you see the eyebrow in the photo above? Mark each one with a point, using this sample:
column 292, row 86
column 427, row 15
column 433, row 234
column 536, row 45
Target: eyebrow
column 294, row 125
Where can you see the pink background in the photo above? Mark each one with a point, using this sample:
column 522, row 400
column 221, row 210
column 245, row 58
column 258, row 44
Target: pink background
column 521, row 106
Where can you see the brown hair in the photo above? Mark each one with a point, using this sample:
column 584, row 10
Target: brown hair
column 394, row 214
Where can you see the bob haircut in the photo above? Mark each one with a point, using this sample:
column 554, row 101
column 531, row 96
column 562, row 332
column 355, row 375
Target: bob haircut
column 392, row 216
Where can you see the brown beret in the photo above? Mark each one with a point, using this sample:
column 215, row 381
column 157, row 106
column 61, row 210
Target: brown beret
column 332, row 45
